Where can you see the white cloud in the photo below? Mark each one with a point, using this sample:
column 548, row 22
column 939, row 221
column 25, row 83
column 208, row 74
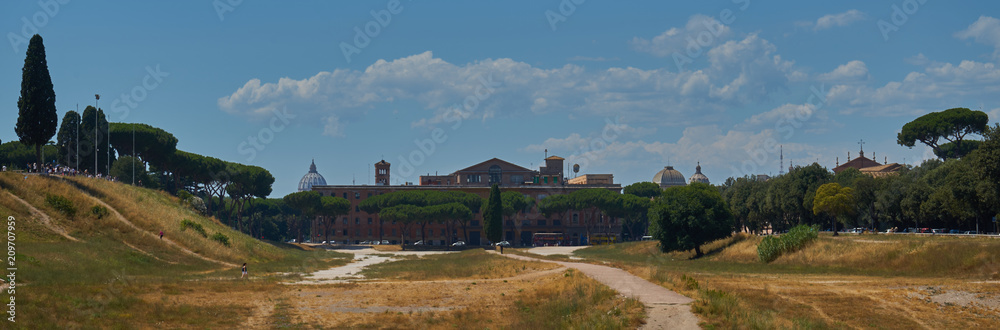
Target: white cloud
column 739, row 72
column 994, row 115
column 699, row 28
column 985, row 30
column 940, row 86
column 851, row 71
column 836, row 20
column 333, row 127
column 789, row 115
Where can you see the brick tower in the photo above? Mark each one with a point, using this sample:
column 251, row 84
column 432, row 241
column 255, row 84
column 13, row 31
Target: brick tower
column 382, row 173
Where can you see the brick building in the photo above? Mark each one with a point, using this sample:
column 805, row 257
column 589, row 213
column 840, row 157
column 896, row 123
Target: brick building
column 548, row 180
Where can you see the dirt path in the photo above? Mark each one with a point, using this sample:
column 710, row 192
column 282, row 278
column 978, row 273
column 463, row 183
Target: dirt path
column 666, row 309
column 362, row 258
column 152, row 235
column 44, row 218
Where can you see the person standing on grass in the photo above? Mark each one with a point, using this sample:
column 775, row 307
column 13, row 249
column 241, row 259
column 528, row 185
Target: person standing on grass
column 161, row 234
column 244, row 270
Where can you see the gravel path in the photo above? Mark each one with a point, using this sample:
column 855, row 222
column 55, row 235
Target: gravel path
column 665, row 309
column 362, row 258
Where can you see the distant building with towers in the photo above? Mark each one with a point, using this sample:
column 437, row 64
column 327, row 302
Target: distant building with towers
column 868, row 166
column 548, row 180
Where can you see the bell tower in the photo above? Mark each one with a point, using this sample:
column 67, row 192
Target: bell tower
column 382, row 173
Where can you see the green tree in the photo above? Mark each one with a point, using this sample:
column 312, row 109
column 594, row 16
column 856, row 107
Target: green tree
column 635, row 210
column 330, row 207
column 834, row 200
column 37, row 117
column 952, row 125
column 686, row 217
column 307, row 202
column 93, row 141
column 493, row 216
column 125, row 166
column 643, row 189
column 66, row 139
column 513, row 204
column 987, row 165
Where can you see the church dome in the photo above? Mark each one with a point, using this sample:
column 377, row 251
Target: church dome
column 311, row 179
column 669, row 177
column 697, row 176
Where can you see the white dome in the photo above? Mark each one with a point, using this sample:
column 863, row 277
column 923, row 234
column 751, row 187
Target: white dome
column 697, row 176
column 311, row 179
column 669, row 177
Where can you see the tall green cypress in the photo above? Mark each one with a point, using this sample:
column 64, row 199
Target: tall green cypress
column 69, row 131
column 36, row 120
column 493, row 216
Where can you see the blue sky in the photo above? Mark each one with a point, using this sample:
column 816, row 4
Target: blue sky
column 618, row 87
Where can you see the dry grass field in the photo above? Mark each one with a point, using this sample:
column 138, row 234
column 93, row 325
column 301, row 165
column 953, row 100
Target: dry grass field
column 871, row 281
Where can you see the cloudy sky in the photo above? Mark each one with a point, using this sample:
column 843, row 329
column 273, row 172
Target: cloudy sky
column 432, row 87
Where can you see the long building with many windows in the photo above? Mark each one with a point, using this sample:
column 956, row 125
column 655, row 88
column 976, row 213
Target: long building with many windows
column 575, row 226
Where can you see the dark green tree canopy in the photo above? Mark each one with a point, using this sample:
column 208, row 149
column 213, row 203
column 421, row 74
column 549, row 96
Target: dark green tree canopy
column 307, row 202
column 686, row 217
column 37, row 117
column 952, row 125
column 66, row 140
column 153, row 145
column 493, row 216
column 93, row 142
column 643, row 189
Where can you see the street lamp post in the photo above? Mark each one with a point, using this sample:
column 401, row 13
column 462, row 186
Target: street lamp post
column 98, row 97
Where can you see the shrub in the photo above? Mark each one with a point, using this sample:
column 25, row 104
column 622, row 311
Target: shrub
column 99, row 211
column 185, row 224
column 61, row 204
column 183, row 195
column 773, row 247
column 221, row 238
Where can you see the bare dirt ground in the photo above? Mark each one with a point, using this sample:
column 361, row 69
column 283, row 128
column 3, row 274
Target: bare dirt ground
column 665, row 309
column 363, row 257
column 865, row 302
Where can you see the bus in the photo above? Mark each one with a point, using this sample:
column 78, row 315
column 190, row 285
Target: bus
column 548, row 239
column 602, row 239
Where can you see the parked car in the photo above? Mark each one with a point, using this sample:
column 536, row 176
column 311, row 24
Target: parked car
column 420, row 242
column 459, row 243
column 503, row 244
column 385, row 242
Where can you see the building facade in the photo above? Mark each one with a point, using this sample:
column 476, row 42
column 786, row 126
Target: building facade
column 575, row 225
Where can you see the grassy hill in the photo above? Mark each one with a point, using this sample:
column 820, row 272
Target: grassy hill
column 87, row 249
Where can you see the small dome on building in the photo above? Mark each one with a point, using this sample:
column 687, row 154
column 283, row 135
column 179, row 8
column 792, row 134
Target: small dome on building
column 697, row 176
column 669, row 177
column 311, row 179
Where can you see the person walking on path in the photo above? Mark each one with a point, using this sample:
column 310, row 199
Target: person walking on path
column 244, row 270
column 161, row 234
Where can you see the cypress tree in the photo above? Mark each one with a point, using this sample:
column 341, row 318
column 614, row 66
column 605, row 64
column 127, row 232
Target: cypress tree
column 493, row 216
column 36, row 120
